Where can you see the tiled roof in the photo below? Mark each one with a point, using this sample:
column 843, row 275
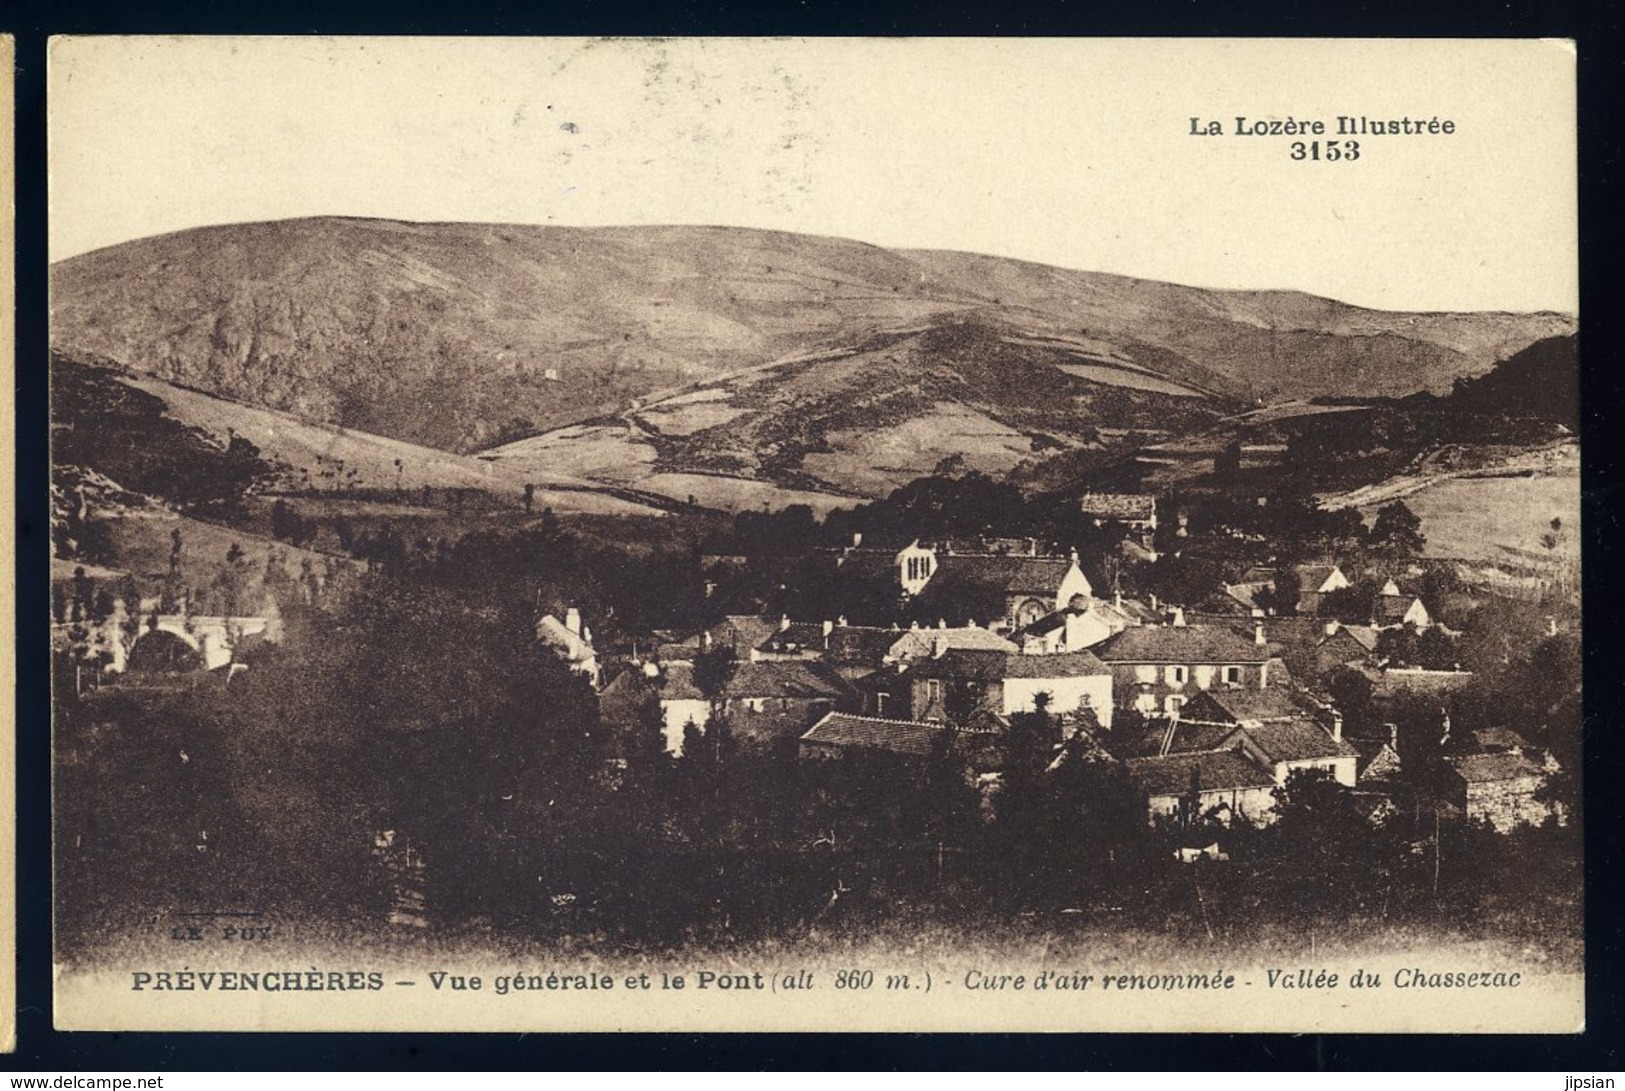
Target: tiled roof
column 1393, row 683
column 807, row 635
column 1040, row 576
column 1188, row 738
column 550, row 630
column 1047, row 624
column 990, row 666
column 1482, row 768
column 677, row 683
column 1239, row 704
column 860, row 644
column 741, row 632
column 783, row 678
column 1311, row 577
column 1183, row 644
column 908, row 737
column 1391, row 609
column 1244, row 593
column 1499, row 738
column 682, row 651
column 1298, row 740
column 1375, row 753
column 919, row 643
column 1218, row 771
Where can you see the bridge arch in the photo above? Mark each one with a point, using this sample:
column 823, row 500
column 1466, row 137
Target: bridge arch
column 163, row 649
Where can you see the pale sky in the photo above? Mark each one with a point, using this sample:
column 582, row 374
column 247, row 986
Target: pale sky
column 1069, row 152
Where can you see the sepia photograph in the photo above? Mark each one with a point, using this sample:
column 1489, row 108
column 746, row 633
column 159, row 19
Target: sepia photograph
column 815, row 534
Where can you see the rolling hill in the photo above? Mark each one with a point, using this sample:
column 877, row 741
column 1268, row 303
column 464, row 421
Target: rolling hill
column 686, row 359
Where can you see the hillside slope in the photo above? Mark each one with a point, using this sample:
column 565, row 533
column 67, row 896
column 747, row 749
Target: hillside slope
column 463, row 336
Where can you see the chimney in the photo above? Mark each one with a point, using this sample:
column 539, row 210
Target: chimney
column 841, row 621
column 829, row 627
column 784, row 622
column 857, row 538
column 1337, row 726
column 939, row 647
column 1179, row 618
column 1032, row 547
column 1258, row 634
column 1072, row 555
column 1331, row 628
column 1117, row 598
column 914, row 624
column 705, row 639
column 572, row 620
column 942, row 623
column 710, row 588
column 1153, row 601
column 651, row 669
column 1551, row 626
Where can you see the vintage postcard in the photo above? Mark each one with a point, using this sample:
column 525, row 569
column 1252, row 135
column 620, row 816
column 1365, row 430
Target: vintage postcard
column 895, row 535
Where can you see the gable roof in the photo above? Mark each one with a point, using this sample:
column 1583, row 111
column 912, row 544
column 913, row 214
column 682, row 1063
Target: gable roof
column 677, row 683
column 992, row 666
column 920, row 643
column 859, row 645
column 1181, row 644
column 553, row 632
column 1378, row 758
column 1311, row 577
column 1486, row 768
column 742, row 632
column 678, row 651
column 1234, row 705
column 909, row 737
column 1104, row 613
column 1298, row 740
column 1391, row 609
column 1416, row 682
column 1218, row 771
column 1010, row 575
column 793, row 678
column 1363, row 635
column 1490, row 739
column 806, row 635
column 1157, row 738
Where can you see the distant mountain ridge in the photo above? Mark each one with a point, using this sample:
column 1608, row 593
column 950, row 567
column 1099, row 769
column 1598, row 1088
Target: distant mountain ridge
column 464, row 336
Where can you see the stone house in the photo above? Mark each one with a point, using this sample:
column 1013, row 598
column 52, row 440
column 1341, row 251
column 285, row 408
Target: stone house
column 1280, row 731
column 1501, row 789
column 1189, row 787
column 954, row 684
column 840, row 734
column 1156, row 669
column 770, row 700
column 1393, row 609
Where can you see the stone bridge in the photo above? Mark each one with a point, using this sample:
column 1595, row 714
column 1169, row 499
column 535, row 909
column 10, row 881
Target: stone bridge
column 210, row 637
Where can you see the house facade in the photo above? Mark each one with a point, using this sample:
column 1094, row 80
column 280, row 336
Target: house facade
column 1187, row 788
column 952, row 685
column 1156, row 669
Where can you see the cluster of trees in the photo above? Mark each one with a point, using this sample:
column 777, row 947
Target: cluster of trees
column 425, row 713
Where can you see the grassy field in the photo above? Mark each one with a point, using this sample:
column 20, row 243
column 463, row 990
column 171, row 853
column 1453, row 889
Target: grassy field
column 1483, row 518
